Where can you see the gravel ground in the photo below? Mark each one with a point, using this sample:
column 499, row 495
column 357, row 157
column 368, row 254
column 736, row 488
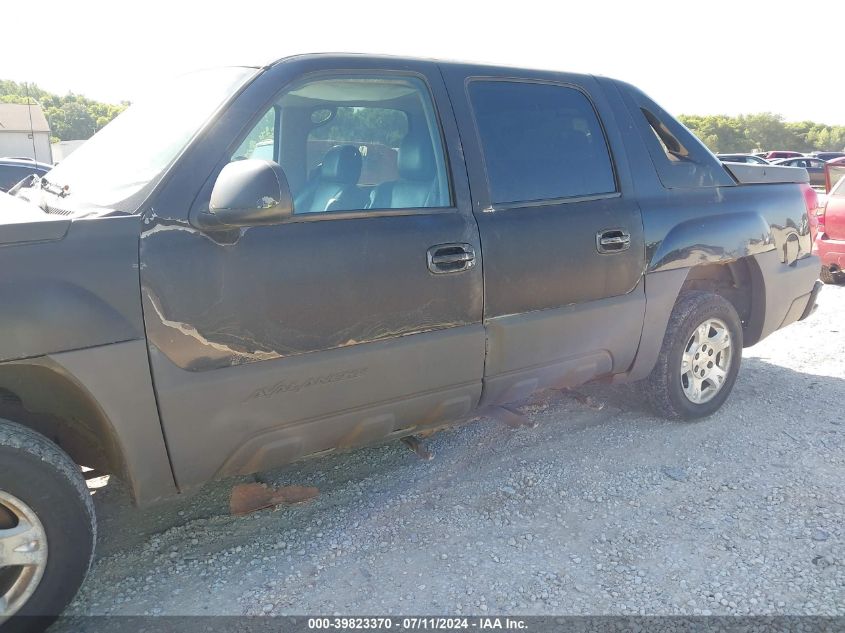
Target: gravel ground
column 610, row 511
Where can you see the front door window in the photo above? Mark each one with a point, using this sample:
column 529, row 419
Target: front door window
column 355, row 143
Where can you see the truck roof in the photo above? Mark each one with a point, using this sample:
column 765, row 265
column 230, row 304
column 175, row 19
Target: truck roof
column 442, row 62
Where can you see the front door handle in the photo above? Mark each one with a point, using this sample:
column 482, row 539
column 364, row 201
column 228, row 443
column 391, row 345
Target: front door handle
column 613, row 241
column 450, row 258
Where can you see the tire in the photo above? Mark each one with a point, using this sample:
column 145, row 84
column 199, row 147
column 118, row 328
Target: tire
column 671, row 390
column 829, row 277
column 40, row 483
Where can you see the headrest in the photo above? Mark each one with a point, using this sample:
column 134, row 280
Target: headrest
column 342, row 163
column 416, row 158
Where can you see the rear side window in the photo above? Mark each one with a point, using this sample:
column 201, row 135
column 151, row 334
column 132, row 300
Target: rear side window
column 681, row 160
column 540, row 142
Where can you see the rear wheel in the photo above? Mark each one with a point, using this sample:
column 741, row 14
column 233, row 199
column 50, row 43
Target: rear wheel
column 47, row 528
column 699, row 359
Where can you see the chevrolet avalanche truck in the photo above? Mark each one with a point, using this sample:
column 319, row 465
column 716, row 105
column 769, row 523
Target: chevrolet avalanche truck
column 269, row 263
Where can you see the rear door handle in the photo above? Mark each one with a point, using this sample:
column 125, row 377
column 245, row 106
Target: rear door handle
column 450, row 258
column 613, row 241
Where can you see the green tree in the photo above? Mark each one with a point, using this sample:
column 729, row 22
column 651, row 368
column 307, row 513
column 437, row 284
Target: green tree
column 71, row 121
column 764, row 131
column 719, row 132
column 70, row 116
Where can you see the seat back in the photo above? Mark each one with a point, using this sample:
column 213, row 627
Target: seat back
column 416, row 184
column 335, row 187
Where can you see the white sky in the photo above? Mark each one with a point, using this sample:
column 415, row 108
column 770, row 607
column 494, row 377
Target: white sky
column 703, row 57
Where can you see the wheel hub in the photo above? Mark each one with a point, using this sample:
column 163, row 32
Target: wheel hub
column 706, row 361
column 23, row 554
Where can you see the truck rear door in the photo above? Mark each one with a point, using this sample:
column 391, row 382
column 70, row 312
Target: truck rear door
column 560, row 228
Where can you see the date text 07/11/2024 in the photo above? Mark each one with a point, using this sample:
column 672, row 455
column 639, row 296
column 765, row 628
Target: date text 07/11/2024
column 417, row 623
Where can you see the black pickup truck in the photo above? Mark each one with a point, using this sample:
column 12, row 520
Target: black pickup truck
column 269, row 263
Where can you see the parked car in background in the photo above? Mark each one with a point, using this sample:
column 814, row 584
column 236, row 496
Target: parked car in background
column 829, row 242
column 751, row 159
column 781, row 154
column 13, row 170
column 828, row 155
column 814, row 167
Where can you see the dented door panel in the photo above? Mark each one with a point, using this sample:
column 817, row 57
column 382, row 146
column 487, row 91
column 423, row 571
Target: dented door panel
column 282, row 291
column 251, row 417
column 276, row 342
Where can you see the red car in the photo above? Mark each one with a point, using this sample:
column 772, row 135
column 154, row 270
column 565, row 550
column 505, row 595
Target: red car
column 833, row 171
column 829, row 242
column 782, row 154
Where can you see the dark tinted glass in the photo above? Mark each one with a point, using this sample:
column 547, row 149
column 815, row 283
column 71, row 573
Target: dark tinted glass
column 681, row 160
column 540, row 142
column 10, row 175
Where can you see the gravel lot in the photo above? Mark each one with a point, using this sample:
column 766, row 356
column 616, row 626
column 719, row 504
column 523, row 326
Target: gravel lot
column 610, row 511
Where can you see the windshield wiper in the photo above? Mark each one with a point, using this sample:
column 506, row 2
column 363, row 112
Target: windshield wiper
column 56, row 190
column 27, row 182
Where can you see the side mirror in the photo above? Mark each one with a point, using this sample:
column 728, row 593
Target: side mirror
column 248, row 193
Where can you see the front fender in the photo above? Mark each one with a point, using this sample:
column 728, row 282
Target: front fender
column 711, row 240
column 54, row 316
column 80, row 291
column 98, row 404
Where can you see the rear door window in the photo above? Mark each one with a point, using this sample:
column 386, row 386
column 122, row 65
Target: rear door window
column 540, row 141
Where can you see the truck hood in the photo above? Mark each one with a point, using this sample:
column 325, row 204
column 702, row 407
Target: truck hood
column 22, row 221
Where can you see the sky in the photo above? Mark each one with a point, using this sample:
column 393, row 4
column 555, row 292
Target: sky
column 705, row 57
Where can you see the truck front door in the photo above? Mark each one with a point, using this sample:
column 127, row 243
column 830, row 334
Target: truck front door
column 358, row 319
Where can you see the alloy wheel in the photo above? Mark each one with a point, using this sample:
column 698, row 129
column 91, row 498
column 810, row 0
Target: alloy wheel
column 706, row 361
column 23, row 554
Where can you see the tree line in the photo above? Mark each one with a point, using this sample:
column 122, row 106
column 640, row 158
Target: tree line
column 71, row 116
column 764, row 131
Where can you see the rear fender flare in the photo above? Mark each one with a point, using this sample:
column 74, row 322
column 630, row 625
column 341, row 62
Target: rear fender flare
column 713, row 239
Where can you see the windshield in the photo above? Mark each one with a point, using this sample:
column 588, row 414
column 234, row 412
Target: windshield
column 135, row 149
